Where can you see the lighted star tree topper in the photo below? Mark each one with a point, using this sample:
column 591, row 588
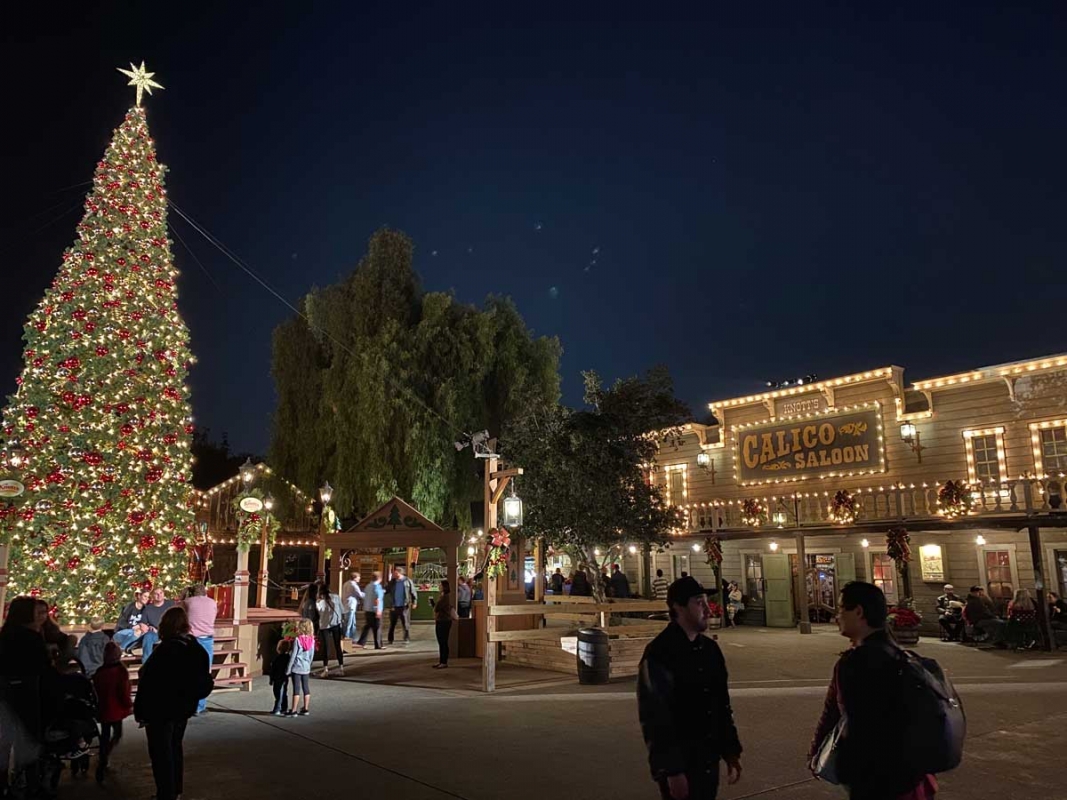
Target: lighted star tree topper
column 100, row 424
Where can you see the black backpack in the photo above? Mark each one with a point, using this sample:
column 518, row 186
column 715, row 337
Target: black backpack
column 934, row 725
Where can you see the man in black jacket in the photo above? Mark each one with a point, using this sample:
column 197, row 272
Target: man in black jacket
column 684, row 702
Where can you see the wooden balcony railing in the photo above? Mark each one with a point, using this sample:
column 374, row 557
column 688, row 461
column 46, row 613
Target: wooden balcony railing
column 893, row 503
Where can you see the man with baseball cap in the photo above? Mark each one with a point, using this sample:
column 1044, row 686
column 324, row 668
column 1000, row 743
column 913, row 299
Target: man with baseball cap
column 684, row 702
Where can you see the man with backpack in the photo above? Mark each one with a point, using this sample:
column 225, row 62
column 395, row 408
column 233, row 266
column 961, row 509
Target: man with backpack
column 890, row 719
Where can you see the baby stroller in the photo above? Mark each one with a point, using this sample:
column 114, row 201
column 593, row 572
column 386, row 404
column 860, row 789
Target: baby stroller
column 69, row 736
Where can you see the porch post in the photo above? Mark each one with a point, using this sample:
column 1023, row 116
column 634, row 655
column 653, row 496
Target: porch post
column 240, row 588
column 489, row 659
column 802, row 576
column 1048, row 638
column 539, row 570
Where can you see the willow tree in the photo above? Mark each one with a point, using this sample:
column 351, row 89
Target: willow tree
column 378, row 378
column 585, row 488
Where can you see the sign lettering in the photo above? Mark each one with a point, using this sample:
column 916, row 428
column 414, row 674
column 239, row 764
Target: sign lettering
column 848, row 441
column 794, row 406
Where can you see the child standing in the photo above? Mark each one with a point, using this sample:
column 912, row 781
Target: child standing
column 299, row 666
column 112, row 683
column 279, row 678
column 90, row 650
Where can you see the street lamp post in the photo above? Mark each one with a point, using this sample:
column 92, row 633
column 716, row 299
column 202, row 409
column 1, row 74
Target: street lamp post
column 325, row 495
column 264, row 562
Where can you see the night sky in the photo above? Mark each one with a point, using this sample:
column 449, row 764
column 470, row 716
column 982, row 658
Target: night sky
column 743, row 196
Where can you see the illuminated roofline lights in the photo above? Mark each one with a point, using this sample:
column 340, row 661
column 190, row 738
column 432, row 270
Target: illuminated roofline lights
column 1012, row 370
column 818, row 386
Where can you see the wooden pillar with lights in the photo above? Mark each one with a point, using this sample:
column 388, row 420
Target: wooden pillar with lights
column 496, row 481
column 802, row 589
column 240, row 588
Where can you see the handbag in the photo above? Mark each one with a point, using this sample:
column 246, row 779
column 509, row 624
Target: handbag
column 824, row 764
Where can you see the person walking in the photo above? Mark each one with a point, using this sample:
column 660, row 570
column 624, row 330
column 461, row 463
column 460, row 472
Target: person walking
column 580, row 586
column 463, row 598
column 308, row 607
column 170, row 685
column 90, row 650
column 659, row 586
column 683, row 701
column 861, row 692
column 202, row 611
column 373, row 604
column 299, row 667
column 402, row 592
column 115, row 702
column 330, row 618
column 352, row 596
column 443, row 614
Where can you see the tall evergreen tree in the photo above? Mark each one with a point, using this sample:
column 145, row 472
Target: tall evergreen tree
column 378, row 381
column 101, row 412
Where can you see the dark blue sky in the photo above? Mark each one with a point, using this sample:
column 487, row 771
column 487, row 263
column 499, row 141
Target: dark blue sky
column 808, row 188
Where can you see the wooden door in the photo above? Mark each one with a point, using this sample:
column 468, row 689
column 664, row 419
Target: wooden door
column 778, row 597
column 844, row 569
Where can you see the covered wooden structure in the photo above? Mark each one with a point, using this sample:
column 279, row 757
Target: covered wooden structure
column 394, row 524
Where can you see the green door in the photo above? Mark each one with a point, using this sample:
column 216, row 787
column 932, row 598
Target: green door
column 844, row 569
column 779, row 594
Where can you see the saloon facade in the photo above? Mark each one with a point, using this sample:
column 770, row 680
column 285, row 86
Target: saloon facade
column 803, row 484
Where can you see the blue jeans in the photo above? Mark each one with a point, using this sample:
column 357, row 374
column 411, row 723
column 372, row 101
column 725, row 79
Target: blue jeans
column 125, row 638
column 148, row 641
column 351, row 625
column 208, row 643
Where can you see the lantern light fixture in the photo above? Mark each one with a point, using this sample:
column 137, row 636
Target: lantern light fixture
column 774, row 547
column 326, row 493
column 979, row 540
column 696, row 548
column 268, row 502
column 248, row 472
column 512, row 510
column 909, row 434
column 864, row 544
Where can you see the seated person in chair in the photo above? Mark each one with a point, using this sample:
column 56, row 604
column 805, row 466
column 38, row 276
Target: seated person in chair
column 1022, row 620
column 950, row 614
column 981, row 614
column 1057, row 611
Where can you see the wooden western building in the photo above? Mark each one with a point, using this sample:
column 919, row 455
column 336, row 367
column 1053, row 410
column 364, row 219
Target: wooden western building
column 775, row 477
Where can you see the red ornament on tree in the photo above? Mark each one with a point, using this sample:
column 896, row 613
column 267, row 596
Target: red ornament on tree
column 148, row 541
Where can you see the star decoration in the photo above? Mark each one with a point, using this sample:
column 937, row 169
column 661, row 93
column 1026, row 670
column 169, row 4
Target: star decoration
column 141, row 79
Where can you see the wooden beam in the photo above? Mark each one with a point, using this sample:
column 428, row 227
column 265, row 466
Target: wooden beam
column 527, row 635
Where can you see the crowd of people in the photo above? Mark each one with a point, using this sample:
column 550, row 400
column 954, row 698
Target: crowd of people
column 976, row 618
column 60, row 694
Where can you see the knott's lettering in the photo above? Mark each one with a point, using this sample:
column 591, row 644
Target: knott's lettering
column 835, row 443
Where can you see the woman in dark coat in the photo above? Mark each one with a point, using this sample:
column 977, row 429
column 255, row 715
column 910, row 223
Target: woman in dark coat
column 170, row 684
column 24, row 667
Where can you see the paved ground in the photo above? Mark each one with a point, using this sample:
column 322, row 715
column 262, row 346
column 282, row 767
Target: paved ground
column 394, row 725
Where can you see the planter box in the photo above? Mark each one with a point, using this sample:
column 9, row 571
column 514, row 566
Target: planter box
column 906, row 636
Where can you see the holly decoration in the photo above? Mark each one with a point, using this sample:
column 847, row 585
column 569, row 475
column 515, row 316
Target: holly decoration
column 753, row 512
column 897, row 546
column 954, row 499
column 498, row 545
column 84, row 389
column 713, row 550
column 843, row 508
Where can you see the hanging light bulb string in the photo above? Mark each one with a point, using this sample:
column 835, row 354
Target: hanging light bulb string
column 452, row 427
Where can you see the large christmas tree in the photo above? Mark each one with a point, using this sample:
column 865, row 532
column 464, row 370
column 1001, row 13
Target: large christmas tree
column 99, row 429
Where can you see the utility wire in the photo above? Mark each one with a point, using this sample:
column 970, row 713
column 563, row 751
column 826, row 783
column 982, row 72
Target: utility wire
column 210, row 277
column 252, row 274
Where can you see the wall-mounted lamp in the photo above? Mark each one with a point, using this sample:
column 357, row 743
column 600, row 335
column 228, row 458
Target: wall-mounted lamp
column 864, row 544
column 779, row 518
column 909, row 434
column 979, row 540
column 703, row 459
column 774, row 547
column 696, row 548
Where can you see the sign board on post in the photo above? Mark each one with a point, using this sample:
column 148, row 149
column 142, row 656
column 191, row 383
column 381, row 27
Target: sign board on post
column 11, row 488
column 251, row 505
column 821, row 445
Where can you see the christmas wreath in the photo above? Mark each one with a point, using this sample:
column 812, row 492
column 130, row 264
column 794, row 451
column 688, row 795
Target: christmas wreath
column 496, row 562
column 753, row 512
column 713, row 550
column 897, row 546
column 954, row 499
column 843, row 508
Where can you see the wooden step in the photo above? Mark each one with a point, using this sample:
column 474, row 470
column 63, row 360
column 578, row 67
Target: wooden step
column 242, row 683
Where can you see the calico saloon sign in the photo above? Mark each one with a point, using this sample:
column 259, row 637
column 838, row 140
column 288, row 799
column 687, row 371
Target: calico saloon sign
column 843, row 442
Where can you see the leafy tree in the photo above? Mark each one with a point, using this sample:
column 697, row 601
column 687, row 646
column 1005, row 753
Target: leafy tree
column 214, row 462
column 380, row 379
column 585, row 487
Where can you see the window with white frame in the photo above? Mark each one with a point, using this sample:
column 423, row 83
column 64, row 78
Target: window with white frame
column 754, row 577
column 884, row 576
column 1053, row 442
column 986, row 463
column 677, row 486
column 999, row 582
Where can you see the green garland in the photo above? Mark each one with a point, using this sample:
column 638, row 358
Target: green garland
column 250, row 524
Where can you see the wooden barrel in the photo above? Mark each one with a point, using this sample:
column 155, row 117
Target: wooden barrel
column 594, row 658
